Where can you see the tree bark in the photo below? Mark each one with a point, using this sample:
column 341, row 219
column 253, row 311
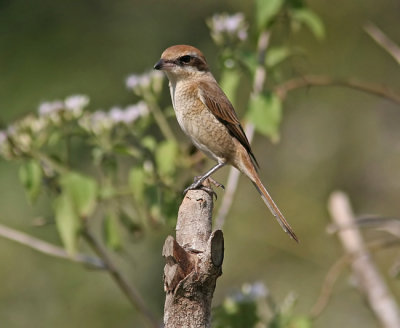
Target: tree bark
column 193, row 264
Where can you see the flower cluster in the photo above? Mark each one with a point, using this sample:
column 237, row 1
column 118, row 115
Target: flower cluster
column 228, row 28
column 19, row 137
column 251, row 292
column 34, row 131
column 4, row 144
column 101, row 121
column 142, row 83
column 71, row 108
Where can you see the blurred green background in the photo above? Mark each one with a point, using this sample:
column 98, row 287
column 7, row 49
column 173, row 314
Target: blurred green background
column 331, row 138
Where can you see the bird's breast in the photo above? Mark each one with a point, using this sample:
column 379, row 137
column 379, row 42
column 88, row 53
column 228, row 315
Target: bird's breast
column 188, row 107
column 196, row 120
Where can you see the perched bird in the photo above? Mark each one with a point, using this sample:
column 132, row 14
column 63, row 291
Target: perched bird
column 206, row 115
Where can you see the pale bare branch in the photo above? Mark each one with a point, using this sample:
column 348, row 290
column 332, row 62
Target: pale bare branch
column 383, row 40
column 368, row 278
column 47, row 248
column 128, row 289
column 324, row 81
column 327, row 286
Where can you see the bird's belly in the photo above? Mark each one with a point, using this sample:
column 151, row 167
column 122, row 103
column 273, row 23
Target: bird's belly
column 206, row 132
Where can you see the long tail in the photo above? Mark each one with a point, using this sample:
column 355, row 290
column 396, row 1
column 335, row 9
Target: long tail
column 244, row 164
column 274, row 209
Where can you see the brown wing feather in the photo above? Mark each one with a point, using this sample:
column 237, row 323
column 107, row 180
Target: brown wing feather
column 218, row 103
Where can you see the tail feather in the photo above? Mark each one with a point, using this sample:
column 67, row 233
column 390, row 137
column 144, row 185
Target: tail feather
column 274, row 209
column 243, row 162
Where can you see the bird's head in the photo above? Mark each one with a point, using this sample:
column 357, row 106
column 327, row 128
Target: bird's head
column 182, row 61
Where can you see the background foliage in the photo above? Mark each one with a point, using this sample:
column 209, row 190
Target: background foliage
column 123, row 168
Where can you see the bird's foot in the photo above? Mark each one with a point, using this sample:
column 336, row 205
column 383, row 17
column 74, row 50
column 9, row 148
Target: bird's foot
column 216, row 183
column 204, row 185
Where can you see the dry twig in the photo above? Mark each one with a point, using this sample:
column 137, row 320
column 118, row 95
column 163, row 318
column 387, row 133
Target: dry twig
column 129, row 290
column 369, row 280
column 324, row 81
column 382, row 39
column 49, row 249
column 327, row 286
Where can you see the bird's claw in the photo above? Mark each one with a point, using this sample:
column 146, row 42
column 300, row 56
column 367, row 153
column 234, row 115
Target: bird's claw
column 198, row 184
column 216, row 183
column 195, row 185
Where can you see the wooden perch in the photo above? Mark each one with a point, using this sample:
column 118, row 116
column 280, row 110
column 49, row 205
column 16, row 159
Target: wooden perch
column 193, row 264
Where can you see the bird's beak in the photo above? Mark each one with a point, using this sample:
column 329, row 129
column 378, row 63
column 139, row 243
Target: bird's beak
column 164, row 65
column 159, row 65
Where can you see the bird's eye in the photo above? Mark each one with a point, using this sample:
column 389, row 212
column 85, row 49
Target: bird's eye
column 185, row 59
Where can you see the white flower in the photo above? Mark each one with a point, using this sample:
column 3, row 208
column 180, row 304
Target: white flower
column 234, row 22
column 140, row 82
column 3, row 137
column 134, row 81
column 117, row 115
column 50, row 107
column 129, row 114
column 3, row 144
column 38, row 124
column 225, row 26
column 250, row 292
column 133, row 112
column 255, row 290
column 76, row 103
column 148, row 166
column 97, row 122
column 11, row 130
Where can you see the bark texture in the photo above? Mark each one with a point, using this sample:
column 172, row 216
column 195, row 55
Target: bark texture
column 193, row 264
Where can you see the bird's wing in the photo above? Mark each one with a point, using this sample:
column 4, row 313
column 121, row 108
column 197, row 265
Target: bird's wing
column 219, row 105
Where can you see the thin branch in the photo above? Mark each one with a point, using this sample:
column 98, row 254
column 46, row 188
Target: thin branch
column 258, row 85
column 337, row 268
column 327, row 286
column 369, row 280
column 160, row 118
column 323, row 81
column 382, row 39
column 229, row 193
column 49, row 249
column 130, row 291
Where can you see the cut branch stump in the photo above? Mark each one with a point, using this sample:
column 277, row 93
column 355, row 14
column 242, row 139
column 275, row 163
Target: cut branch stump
column 193, row 263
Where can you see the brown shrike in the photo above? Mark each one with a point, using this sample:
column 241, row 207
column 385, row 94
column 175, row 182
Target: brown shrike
column 206, row 115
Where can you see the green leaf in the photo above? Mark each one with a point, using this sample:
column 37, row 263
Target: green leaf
column 276, row 55
column 235, row 314
column 149, row 142
column 265, row 112
column 111, row 231
column 249, row 59
column 311, row 20
column 137, row 183
column 82, row 191
column 67, row 221
column 301, row 322
column 166, row 154
column 30, row 174
column 229, row 82
column 126, row 150
column 266, row 10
